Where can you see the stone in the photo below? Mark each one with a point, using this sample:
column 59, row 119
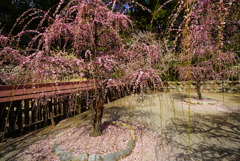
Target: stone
column 81, row 157
column 184, row 83
column 192, row 87
column 219, row 88
column 194, row 102
column 125, row 152
column 66, row 156
column 54, row 147
column 191, row 102
column 234, row 89
column 58, row 151
column 179, row 89
column 218, row 82
column 205, row 103
column 95, row 157
column 112, row 156
column 211, row 103
column 131, row 144
column 225, row 84
column 211, row 82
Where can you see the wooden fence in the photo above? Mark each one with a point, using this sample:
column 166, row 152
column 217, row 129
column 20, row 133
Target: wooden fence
column 24, row 108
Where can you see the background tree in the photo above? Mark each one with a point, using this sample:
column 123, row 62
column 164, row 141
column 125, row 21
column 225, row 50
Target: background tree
column 231, row 34
column 152, row 14
column 204, row 58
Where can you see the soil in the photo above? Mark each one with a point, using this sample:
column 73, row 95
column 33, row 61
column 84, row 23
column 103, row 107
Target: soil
column 169, row 126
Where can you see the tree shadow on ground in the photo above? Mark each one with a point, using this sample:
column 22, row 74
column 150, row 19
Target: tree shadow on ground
column 181, row 96
column 11, row 148
column 235, row 98
column 15, row 146
column 134, row 117
column 212, row 138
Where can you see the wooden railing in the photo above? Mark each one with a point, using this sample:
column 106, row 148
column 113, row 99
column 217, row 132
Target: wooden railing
column 27, row 107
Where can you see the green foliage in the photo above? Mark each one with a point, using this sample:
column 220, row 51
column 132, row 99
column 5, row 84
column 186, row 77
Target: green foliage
column 143, row 17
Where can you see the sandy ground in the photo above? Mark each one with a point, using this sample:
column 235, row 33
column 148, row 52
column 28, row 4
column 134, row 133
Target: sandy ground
column 169, row 126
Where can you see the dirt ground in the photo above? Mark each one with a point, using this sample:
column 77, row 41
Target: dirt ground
column 169, row 126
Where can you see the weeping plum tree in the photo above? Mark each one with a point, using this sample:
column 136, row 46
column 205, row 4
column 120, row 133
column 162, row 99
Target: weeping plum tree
column 204, row 57
column 80, row 38
column 92, row 31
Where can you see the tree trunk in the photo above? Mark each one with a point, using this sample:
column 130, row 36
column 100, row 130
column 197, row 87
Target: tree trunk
column 198, row 89
column 96, row 116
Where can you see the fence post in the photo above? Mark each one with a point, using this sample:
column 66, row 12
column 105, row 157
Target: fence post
column 3, row 115
column 26, row 111
column 33, row 107
column 50, row 104
column 20, row 116
column 12, row 116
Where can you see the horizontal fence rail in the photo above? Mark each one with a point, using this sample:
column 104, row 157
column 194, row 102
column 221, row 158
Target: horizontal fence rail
column 21, row 92
column 25, row 108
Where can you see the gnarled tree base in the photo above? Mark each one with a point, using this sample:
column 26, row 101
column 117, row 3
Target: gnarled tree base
column 96, row 115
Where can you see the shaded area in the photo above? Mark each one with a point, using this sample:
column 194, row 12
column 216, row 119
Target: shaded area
column 212, row 137
column 236, row 99
column 181, row 96
column 16, row 146
column 13, row 148
column 134, row 117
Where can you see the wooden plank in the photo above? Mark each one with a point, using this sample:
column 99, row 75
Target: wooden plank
column 20, row 117
column 39, row 112
column 78, row 103
column 50, row 106
column 55, row 107
column 12, row 116
column 83, row 101
column 45, row 117
column 65, row 105
column 33, row 112
column 26, row 111
column 39, row 88
column 23, row 91
column 40, row 85
column 60, row 106
column 3, row 115
column 40, row 95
